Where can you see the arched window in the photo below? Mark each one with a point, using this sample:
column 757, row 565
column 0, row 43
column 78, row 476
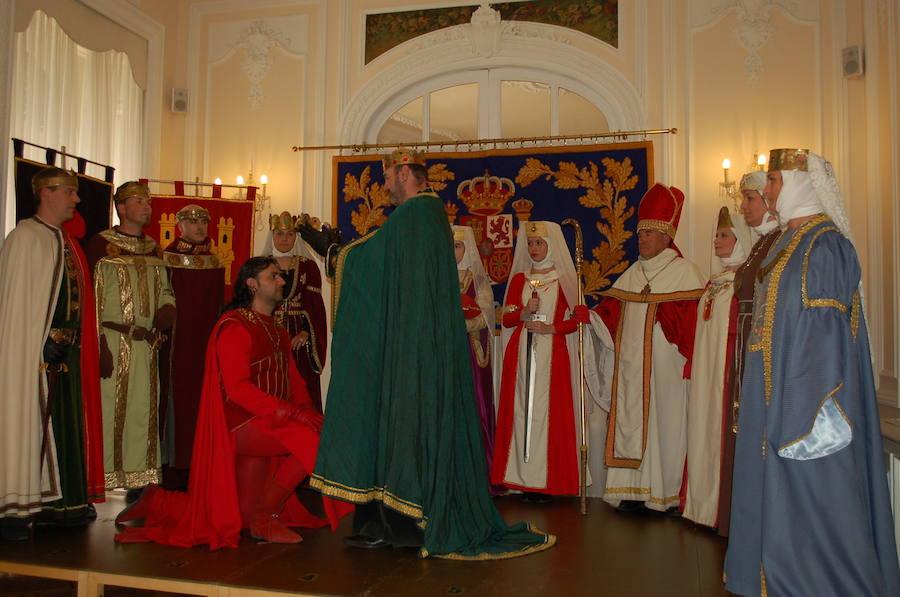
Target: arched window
column 491, row 103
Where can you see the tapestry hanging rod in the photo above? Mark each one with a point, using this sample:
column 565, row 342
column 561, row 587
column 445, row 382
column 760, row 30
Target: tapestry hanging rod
column 363, row 147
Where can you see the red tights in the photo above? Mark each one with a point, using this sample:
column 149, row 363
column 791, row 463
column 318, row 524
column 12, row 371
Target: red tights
column 254, row 450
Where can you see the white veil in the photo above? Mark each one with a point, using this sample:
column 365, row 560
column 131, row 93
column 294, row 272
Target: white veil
column 471, row 261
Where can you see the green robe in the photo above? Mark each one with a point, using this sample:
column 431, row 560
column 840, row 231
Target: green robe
column 66, row 410
column 401, row 420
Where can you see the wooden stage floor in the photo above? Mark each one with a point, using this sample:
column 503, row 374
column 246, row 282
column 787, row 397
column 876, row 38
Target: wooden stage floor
column 603, row 553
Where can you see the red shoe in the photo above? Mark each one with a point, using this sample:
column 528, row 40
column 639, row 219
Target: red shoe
column 138, row 509
column 272, row 530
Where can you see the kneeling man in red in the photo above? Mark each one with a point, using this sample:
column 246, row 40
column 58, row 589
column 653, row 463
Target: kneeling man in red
column 256, row 439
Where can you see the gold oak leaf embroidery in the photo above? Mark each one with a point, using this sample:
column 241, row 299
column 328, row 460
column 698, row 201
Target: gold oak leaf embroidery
column 370, row 212
column 374, row 197
column 607, row 198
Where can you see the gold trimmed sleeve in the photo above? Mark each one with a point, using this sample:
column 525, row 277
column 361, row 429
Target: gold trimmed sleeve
column 817, row 302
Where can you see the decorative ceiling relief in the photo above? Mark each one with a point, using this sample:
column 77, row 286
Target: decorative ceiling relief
column 596, row 18
column 485, row 31
column 753, row 29
column 257, row 38
column 256, row 41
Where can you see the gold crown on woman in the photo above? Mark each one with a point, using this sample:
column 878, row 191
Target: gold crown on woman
column 788, row 159
column 283, row 221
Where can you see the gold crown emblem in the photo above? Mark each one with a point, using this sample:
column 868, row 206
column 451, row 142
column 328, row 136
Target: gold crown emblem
column 535, row 229
column 486, row 195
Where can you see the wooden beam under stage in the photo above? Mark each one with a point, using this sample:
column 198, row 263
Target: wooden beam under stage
column 603, row 553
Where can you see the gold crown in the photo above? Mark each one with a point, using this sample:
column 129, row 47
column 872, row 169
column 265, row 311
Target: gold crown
column 192, row 212
column 788, row 159
column 459, row 233
column 724, row 218
column 131, row 189
column 533, row 229
column 38, row 182
column 451, row 208
column 486, row 195
column 283, row 221
column 523, row 208
column 403, row 155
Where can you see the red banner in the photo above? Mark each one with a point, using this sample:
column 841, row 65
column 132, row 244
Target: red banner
column 230, row 228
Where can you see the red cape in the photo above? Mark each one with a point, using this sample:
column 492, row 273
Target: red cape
column 209, row 512
column 90, row 377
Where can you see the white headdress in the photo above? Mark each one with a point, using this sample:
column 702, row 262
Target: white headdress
column 557, row 250
column 741, row 246
column 471, row 261
column 756, row 181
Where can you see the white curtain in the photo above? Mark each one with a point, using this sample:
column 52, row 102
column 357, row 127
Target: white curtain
column 87, row 101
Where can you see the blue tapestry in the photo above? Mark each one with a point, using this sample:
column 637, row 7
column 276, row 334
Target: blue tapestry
column 492, row 191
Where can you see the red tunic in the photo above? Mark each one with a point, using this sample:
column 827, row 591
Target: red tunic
column 562, row 452
column 249, row 370
column 198, row 282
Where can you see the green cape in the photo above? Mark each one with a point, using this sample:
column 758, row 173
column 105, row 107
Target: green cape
column 401, row 421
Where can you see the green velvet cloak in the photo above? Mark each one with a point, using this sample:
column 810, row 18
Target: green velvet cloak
column 401, row 421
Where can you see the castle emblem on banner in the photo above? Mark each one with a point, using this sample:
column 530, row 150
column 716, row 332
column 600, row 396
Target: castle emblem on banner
column 485, row 198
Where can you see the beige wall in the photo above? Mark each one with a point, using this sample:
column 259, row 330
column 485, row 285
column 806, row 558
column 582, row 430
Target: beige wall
column 681, row 63
column 683, row 59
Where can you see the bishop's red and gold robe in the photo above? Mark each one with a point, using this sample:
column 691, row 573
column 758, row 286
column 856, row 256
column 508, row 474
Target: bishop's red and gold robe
column 647, row 320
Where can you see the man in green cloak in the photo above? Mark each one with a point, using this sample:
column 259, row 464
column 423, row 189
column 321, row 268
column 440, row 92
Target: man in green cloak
column 401, row 434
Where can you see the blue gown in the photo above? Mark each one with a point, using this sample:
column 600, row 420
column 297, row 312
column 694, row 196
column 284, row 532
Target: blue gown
column 810, row 510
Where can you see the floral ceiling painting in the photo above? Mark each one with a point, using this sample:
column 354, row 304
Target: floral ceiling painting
column 597, row 18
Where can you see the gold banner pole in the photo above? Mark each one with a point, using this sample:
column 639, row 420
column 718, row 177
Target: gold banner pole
column 364, row 147
column 579, row 259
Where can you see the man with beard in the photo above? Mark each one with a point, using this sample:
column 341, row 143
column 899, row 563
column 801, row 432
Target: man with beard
column 257, row 434
column 402, row 436
column 135, row 306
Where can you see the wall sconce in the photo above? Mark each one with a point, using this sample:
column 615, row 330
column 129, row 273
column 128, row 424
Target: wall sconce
column 761, row 161
column 728, row 188
column 262, row 201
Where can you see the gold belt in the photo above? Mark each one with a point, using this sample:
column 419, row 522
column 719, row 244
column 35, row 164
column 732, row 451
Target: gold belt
column 67, row 336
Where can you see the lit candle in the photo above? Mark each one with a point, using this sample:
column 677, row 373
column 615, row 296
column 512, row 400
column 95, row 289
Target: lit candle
column 761, row 161
column 264, row 179
column 726, row 164
column 217, row 181
column 240, row 179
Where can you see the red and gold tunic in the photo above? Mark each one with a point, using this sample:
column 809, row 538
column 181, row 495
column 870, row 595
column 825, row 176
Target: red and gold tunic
column 197, row 278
